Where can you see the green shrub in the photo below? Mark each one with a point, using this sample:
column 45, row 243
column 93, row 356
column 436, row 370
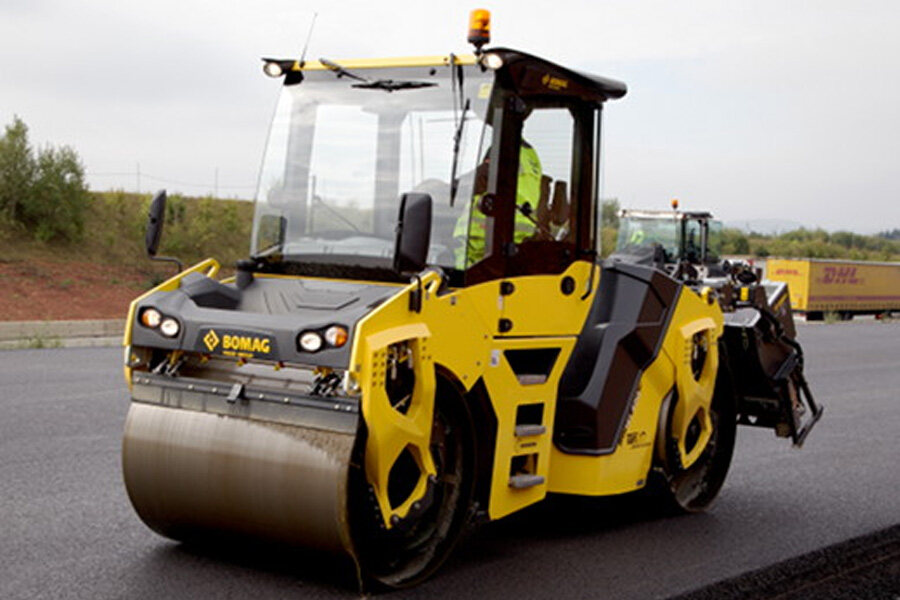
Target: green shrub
column 17, row 169
column 46, row 194
column 197, row 228
column 608, row 236
column 609, row 213
column 735, row 242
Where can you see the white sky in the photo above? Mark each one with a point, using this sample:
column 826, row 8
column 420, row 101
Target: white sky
column 783, row 109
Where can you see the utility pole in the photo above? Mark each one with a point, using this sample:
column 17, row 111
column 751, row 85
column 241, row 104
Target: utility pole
column 138, row 175
column 216, row 193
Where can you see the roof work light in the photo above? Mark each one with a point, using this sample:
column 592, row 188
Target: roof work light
column 273, row 69
column 479, row 28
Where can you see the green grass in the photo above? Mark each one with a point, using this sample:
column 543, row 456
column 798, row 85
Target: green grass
column 40, row 341
column 195, row 229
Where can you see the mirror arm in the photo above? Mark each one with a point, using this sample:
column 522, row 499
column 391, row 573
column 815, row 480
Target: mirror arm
column 415, row 296
column 169, row 259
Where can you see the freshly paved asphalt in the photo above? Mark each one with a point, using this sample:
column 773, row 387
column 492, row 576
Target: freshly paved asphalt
column 68, row 531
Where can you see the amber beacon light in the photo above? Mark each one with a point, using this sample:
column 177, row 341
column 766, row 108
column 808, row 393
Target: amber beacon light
column 479, row 27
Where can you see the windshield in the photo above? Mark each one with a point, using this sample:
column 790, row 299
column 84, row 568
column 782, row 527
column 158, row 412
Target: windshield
column 636, row 233
column 341, row 151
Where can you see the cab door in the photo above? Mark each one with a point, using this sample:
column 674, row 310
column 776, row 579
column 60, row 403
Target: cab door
column 545, row 289
column 550, row 267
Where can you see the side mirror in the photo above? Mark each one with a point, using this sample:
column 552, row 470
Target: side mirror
column 413, row 233
column 155, row 219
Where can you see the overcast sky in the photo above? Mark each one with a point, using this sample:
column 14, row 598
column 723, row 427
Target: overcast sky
column 754, row 110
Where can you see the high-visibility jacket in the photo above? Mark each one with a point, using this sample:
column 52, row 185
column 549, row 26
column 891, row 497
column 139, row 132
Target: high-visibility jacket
column 469, row 232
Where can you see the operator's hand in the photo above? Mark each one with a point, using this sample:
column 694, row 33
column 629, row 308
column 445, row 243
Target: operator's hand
column 481, row 177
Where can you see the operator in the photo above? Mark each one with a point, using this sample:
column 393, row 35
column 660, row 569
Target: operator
column 528, row 190
column 637, row 236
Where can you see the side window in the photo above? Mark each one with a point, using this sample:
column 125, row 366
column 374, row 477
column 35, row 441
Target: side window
column 692, row 241
column 714, row 241
column 544, row 188
column 469, row 230
column 539, row 231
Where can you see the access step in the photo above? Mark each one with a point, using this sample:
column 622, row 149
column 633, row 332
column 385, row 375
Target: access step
column 530, row 430
column 525, row 480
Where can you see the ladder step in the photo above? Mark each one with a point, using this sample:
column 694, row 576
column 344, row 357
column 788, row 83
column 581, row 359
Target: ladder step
column 530, row 430
column 525, row 480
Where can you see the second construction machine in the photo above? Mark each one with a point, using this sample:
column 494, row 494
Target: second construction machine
column 423, row 334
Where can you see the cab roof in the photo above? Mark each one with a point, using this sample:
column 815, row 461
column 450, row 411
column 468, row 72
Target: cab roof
column 664, row 214
column 529, row 74
column 537, row 75
column 379, row 63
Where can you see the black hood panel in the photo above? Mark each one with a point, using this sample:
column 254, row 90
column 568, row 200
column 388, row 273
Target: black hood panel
column 286, row 296
column 268, row 314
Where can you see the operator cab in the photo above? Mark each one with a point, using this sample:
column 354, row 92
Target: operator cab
column 688, row 245
column 503, row 145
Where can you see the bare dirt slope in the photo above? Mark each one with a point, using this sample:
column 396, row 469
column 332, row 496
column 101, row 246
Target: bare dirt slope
column 44, row 289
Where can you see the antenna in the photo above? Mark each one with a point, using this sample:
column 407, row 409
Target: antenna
column 308, row 36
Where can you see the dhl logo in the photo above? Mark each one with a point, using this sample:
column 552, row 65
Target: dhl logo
column 784, row 271
column 840, row 275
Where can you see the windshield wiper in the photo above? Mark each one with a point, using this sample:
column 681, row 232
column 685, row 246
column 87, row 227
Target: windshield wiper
column 388, row 85
column 341, row 71
column 335, row 213
column 457, row 137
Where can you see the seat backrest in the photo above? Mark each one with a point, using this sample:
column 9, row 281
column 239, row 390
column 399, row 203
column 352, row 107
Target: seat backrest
column 560, row 209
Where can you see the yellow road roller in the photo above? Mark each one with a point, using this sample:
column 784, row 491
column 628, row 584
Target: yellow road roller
column 423, row 335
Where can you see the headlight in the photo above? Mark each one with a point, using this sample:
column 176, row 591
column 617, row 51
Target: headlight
column 310, row 341
column 150, row 317
column 336, row 336
column 273, row 69
column 492, row 61
column 169, row 327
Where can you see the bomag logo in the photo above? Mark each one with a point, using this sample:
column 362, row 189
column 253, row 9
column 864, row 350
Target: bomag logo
column 246, row 343
column 637, row 439
column 236, row 344
column 554, row 83
column 211, row 340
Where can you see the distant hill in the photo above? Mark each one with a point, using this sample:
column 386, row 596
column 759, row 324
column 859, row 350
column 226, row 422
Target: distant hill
column 764, row 226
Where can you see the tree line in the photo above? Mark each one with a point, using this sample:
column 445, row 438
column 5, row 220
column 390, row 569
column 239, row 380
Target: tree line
column 43, row 193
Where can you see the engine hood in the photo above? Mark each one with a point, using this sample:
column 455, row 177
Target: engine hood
column 263, row 319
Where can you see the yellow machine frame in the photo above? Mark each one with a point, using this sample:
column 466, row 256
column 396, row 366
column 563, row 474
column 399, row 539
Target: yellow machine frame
column 479, row 355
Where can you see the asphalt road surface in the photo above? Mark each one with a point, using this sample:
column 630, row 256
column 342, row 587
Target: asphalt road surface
column 68, row 531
